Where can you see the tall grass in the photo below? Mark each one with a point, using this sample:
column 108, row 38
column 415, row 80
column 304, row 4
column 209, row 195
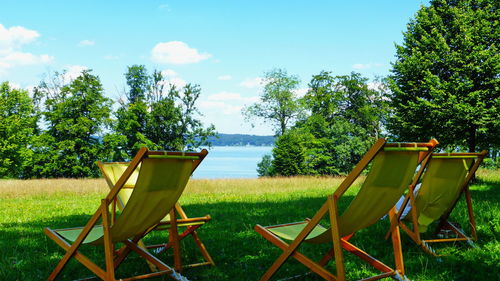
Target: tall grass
column 236, row 205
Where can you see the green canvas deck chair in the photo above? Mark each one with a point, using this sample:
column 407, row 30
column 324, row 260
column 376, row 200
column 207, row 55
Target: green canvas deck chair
column 160, row 182
column 112, row 171
column 446, row 177
column 392, row 171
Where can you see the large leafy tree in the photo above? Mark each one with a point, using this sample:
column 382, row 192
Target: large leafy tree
column 74, row 116
column 279, row 103
column 445, row 81
column 156, row 114
column 347, row 97
column 345, row 118
column 17, row 126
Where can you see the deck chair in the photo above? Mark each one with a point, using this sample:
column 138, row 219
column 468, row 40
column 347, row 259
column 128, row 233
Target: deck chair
column 446, row 177
column 393, row 168
column 160, row 182
column 112, row 171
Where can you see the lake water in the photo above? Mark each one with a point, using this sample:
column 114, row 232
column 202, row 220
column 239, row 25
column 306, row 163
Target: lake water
column 231, row 162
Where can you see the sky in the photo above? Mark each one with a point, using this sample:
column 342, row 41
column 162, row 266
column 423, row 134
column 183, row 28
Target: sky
column 223, row 46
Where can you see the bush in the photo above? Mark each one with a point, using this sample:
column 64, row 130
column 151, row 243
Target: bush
column 490, row 163
column 265, row 167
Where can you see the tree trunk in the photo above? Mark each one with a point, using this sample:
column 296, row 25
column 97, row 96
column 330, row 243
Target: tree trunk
column 282, row 126
column 472, row 145
column 472, row 139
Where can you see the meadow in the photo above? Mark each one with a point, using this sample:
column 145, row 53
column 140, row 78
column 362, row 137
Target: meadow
column 235, row 205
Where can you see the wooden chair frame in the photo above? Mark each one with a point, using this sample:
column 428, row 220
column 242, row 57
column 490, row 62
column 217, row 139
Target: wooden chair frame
column 330, row 207
column 113, row 258
column 414, row 233
column 173, row 225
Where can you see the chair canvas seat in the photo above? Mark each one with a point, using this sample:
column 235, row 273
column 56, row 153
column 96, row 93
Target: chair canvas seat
column 446, row 177
column 94, row 236
column 440, row 188
column 290, row 232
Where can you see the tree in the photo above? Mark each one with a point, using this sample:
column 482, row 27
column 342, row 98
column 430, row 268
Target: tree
column 345, row 119
column 17, row 126
column 289, row 154
column 445, row 82
column 173, row 124
column 138, row 82
column 278, row 104
column 347, row 97
column 158, row 115
column 265, row 166
column 74, row 115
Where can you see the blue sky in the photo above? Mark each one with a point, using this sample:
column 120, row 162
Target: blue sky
column 224, row 46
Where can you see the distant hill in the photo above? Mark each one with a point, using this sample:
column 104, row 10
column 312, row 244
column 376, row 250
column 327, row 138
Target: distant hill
column 241, row 140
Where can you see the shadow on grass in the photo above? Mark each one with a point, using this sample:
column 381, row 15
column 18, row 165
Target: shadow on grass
column 241, row 254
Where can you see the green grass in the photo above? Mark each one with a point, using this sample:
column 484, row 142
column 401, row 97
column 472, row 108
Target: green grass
column 26, row 207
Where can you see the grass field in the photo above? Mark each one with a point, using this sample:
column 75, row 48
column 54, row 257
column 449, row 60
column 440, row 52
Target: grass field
column 26, row 207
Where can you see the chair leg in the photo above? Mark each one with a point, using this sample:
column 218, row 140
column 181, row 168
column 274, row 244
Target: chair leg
column 77, row 255
column 314, row 267
column 330, row 254
column 396, row 243
column 146, row 255
column 470, row 212
column 327, row 257
column 337, row 247
column 202, row 248
column 53, row 275
column 108, row 244
column 174, row 239
column 70, row 249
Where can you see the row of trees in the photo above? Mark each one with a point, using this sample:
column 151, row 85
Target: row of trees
column 444, row 83
column 68, row 125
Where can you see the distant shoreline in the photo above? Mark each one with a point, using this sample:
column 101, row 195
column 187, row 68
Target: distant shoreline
column 241, row 140
column 238, row 145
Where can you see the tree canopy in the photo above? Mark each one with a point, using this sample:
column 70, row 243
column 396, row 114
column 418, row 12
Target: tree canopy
column 445, row 81
column 17, row 126
column 158, row 115
column 278, row 103
column 73, row 118
column 344, row 119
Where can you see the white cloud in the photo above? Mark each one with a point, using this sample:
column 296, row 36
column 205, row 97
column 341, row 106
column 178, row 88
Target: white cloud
column 172, row 78
column 301, row 92
column 14, row 85
column 359, row 66
column 227, row 96
column 11, row 41
column 219, row 106
column 176, row 52
column 72, row 72
column 252, row 82
column 169, row 73
column 12, row 38
column 366, row 65
column 374, row 85
column 225, row 77
column 86, row 43
column 177, row 81
column 20, row 58
column 164, row 7
column 111, row 57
